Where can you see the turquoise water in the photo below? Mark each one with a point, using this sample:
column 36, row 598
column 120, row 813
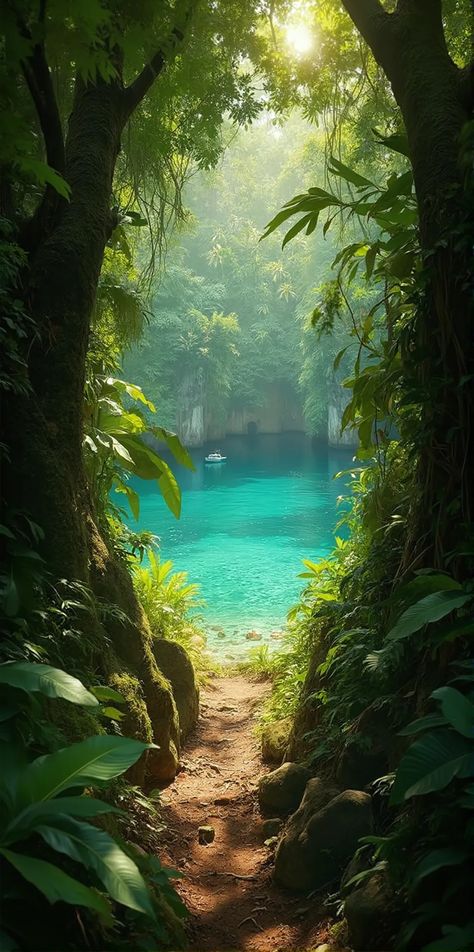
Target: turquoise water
column 245, row 526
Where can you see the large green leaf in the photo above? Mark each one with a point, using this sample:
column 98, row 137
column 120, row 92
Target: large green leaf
column 174, row 443
column 103, row 693
column 146, row 463
column 25, row 821
column 97, row 758
column 438, row 859
column 56, row 885
column 398, row 142
column 47, row 680
column 131, row 389
column 170, row 490
column 423, row 724
column 95, row 849
column 349, row 175
column 431, row 763
column 426, row 611
column 457, row 709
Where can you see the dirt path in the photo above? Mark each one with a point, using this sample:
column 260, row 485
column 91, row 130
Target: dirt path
column 217, row 787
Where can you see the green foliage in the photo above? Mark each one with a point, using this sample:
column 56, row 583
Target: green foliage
column 46, row 800
column 171, row 604
column 114, row 444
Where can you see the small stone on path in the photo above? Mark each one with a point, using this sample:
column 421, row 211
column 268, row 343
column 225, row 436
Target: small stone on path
column 206, row 835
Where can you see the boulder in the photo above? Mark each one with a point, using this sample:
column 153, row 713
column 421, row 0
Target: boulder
column 136, row 721
column 253, row 636
column 176, row 665
column 275, row 739
column 271, row 827
column 373, row 914
column 162, row 762
column 319, row 843
column 281, row 791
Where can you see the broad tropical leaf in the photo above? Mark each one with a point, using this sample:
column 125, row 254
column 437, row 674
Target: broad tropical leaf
column 56, row 885
column 98, row 851
column 457, row 709
column 438, row 859
column 31, row 816
column 103, row 693
column 431, row 763
column 174, row 443
column 170, row 490
column 97, row 758
column 426, row 611
column 47, row 680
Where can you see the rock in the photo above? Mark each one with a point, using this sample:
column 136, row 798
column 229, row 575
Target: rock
column 321, row 838
column 366, row 753
column 136, row 722
column 221, row 634
column 276, row 635
column 253, row 636
column 275, row 739
column 206, row 835
column 175, row 663
column 271, row 827
column 162, row 762
column 373, row 914
column 280, row 792
column 197, row 641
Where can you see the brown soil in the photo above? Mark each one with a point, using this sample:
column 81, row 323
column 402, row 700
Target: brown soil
column 217, row 787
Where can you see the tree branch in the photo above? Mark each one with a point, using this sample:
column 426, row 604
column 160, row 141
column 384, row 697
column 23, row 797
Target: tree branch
column 135, row 92
column 38, row 79
column 375, row 25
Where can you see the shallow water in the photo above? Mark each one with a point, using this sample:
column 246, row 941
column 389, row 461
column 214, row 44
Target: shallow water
column 245, row 526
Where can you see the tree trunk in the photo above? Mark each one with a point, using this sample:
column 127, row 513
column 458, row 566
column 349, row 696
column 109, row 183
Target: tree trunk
column 47, row 476
column 436, row 101
column 431, row 94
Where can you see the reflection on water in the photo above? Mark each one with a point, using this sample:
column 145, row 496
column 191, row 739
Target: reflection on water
column 245, row 526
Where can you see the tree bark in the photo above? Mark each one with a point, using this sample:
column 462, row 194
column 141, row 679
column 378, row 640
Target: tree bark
column 47, row 476
column 436, row 103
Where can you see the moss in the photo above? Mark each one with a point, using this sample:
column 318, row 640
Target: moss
column 136, row 722
column 70, row 723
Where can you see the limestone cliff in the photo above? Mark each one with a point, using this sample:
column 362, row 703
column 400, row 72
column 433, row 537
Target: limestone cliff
column 338, row 398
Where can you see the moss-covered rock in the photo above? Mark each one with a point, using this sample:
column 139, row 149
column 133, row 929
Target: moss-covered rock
column 162, row 763
column 280, row 792
column 175, row 663
column 275, row 737
column 314, row 851
column 131, row 639
column 70, row 723
column 136, row 722
column 373, row 914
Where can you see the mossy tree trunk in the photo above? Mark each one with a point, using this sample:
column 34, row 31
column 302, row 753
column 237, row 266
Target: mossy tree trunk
column 65, row 241
column 436, row 99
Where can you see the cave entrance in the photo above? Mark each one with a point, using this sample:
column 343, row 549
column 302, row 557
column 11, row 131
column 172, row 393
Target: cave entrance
column 252, row 428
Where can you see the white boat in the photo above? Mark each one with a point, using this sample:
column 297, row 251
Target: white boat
column 215, row 457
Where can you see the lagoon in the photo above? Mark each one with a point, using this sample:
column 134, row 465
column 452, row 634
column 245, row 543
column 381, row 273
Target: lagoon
column 246, row 525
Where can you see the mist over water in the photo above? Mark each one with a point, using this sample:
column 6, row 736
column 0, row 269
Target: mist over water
column 245, row 527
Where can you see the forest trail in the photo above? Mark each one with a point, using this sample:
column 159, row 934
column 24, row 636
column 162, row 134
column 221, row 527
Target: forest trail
column 217, row 787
